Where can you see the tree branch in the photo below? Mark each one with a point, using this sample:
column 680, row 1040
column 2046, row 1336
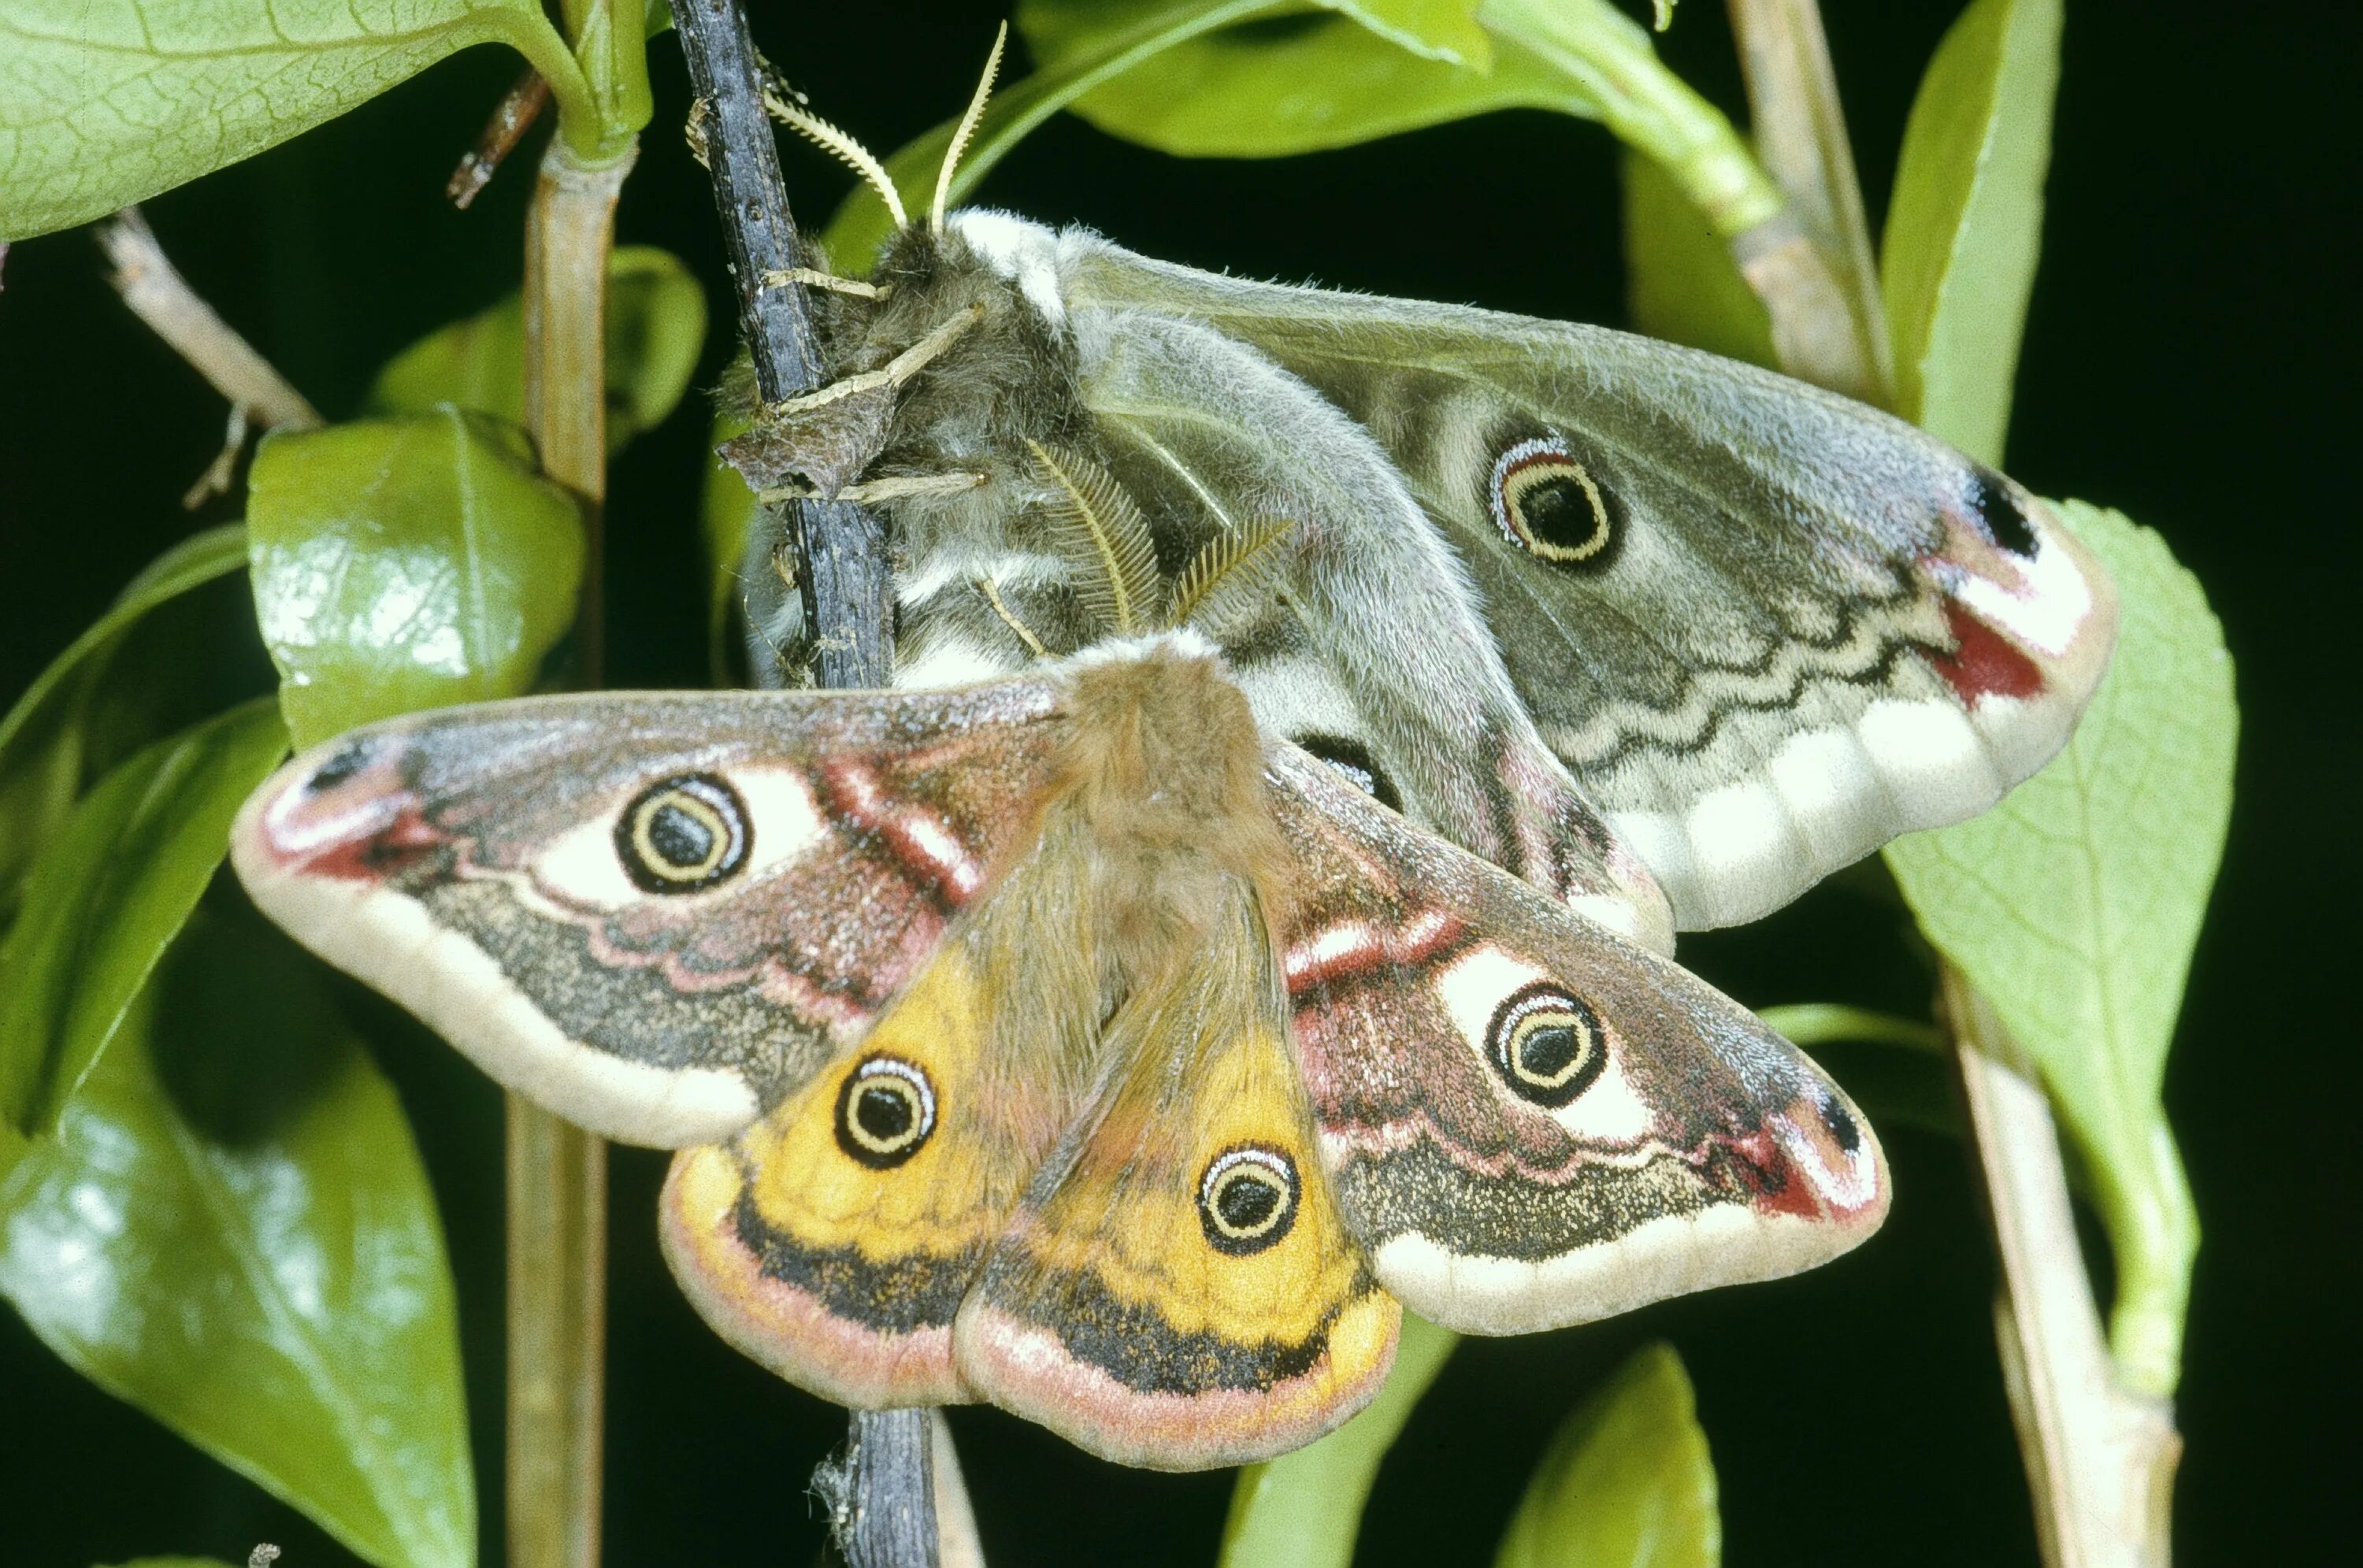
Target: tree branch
column 839, row 546
column 881, row 1496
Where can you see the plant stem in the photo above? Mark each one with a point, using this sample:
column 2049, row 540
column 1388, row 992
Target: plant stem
column 1610, row 57
column 882, row 1507
column 1813, row 266
column 556, row 1172
column 2100, row 1457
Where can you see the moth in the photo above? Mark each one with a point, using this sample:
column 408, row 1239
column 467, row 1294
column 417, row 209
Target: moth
column 1669, row 636
column 1247, row 917
column 1069, row 1040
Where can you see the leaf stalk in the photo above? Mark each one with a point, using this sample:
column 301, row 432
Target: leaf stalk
column 558, row 1173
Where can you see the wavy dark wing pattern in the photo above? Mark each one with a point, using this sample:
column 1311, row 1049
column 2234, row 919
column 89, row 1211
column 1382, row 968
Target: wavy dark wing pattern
column 1766, row 628
column 1529, row 1120
column 656, row 914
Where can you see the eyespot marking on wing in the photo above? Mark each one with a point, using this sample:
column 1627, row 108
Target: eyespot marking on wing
column 1546, row 1044
column 1353, row 762
column 683, row 835
column 885, row 1111
column 1549, row 503
column 687, row 833
column 1248, row 1199
column 1508, row 1011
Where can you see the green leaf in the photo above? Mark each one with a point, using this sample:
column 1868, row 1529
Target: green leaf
column 1304, row 1509
column 1966, row 221
column 1285, row 85
column 1680, row 282
column 656, row 328
column 42, row 744
column 104, row 897
column 232, row 1231
column 102, row 106
column 1627, row 1483
column 407, row 563
column 1289, row 79
column 2073, row 907
column 1440, row 29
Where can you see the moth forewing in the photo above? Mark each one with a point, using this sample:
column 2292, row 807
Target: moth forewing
column 1637, row 624
column 656, row 914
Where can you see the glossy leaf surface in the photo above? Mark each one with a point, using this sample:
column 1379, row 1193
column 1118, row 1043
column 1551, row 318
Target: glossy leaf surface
column 1627, row 1483
column 656, row 327
column 1304, row 1509
column 2074, row 905
column 102, row 106
column 1298, row 83
column 105, row 897
column 407, row 563
column 232, row 1231
column 1965, row 224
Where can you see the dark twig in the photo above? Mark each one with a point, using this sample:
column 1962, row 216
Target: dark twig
column 511, row 118
column 879, row 1491
column 880, row 1496
column 839, row 546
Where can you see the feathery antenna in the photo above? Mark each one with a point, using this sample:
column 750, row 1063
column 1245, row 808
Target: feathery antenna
column 795, row 115
column 1099, row 530
column 967, row 128
column 1227, row 576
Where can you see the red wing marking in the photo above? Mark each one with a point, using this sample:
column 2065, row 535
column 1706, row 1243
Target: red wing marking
column 918, row 840
column 1354, row 947
column 1983, row 662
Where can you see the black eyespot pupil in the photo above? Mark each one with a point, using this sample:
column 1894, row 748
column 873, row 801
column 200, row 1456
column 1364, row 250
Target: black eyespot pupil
column 1247, row 1203
column 1246, row 1200
column 678, row 837
column 1546, row 1046
column 683, row 834
column 1558, row 513
column 884, row 1113
column 1547, row 1053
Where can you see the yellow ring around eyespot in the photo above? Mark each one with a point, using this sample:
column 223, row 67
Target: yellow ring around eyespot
column 1524, row 1028
column 717, row 833
column 904, row 1091
column 1263, row 1177
column 1536, row 471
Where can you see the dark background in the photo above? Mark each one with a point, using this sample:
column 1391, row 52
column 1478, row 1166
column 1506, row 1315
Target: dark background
column 2188, row 358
